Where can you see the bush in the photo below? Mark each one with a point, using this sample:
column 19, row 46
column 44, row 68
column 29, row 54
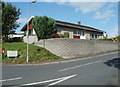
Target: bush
column 61, row 35
column 104, row 38
column 118, row 38
column 66, row 34
column 15, row 39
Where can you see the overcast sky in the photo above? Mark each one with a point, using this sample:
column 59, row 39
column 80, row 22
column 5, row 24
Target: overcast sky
column 100, row 15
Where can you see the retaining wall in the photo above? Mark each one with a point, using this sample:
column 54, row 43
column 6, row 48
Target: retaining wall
column 70, row 48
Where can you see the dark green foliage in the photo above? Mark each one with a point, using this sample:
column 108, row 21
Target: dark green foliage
column 44, row 27
column 10, row 14
column 66, row 34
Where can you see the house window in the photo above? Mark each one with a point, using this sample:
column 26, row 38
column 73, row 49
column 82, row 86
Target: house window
column 58, row 30
column 97, row 36
column 94, row 35
column 77, row 32
column 82, row 32
column 30, row 32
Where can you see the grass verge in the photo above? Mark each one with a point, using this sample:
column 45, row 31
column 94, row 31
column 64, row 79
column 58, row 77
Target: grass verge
column 36, row 54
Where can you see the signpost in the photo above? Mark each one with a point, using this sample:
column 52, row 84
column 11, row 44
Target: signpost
column 3, row 50
column 12, row 54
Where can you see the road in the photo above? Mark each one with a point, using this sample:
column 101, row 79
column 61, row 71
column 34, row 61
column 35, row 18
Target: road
column 91, row 71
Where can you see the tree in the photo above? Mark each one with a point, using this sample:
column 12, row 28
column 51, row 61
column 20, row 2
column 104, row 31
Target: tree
column 10, row 14
column 44, row 27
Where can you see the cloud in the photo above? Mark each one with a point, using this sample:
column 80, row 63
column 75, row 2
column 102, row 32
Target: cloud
column 21, row 20
column 113, row 32
column 105, row 14
column 86, row 7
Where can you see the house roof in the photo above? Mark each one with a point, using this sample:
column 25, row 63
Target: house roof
column 78, row 26
column 24, row 28
column 67, row 24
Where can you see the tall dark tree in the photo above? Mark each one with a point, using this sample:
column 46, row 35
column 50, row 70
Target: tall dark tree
column 44, row 26
column 10, row 14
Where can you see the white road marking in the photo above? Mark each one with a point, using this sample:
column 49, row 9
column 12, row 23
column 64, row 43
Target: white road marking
column 58, row 80
column 11, row 79
column 63, row 79
column 80, row 65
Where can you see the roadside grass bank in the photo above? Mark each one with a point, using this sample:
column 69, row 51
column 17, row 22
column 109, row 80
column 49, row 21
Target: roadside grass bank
column 36, row 54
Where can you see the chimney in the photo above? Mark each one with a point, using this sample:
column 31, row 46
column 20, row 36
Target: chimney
column 79, row 22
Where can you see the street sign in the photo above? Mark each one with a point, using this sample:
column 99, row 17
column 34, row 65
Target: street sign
column 3, row 50
column 12, row 53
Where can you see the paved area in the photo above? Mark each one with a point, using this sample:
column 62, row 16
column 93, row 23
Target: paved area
column 88, row 71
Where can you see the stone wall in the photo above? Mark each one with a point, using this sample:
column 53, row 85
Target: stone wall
column 70, row 48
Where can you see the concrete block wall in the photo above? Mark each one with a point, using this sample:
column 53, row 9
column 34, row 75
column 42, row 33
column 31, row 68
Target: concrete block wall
column 70, row 48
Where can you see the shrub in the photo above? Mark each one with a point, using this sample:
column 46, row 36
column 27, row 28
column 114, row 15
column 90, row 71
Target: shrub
column 118, row 38
column 66, row 34
column 104, row 38
column 61, row 35
column 15, row 39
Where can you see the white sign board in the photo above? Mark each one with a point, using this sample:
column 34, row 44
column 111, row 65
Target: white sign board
column 12, row 53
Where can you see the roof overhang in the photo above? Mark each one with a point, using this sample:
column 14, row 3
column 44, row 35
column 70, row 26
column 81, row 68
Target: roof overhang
column 78, row 26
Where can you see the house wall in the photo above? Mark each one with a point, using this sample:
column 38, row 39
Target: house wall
column 34, row 33
column 70, row 48
column 30, row 39
column 61, row 30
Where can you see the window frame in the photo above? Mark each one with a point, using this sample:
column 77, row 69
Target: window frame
column 78, row 32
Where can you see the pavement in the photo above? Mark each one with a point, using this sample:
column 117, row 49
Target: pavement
column 86, row 71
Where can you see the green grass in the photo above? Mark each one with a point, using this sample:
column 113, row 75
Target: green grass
column 36, row 54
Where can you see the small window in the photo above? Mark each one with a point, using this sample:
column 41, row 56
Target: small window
column 79, row 32
column 92, row 35
column 75, row 31
column 82, row 32
column 96, row 35
column 30, row 32
column 58, row 30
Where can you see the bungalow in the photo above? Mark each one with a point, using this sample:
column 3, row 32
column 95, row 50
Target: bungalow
column 75, row 30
